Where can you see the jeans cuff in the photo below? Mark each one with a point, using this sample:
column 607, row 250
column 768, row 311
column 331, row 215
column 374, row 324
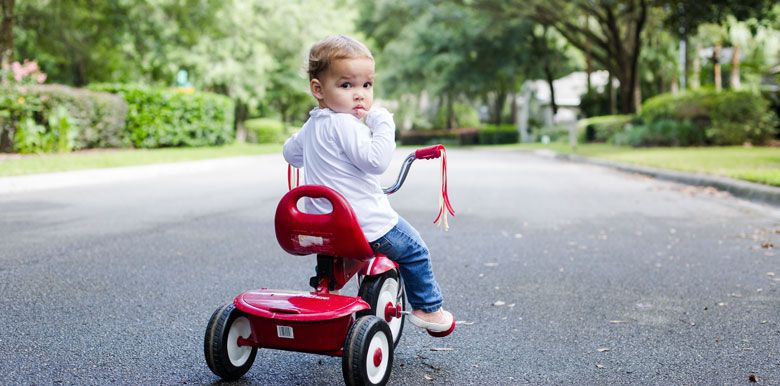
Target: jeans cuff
column 431, row 308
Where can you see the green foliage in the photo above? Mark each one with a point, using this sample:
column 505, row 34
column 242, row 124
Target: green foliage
column 553, row 133
column 726, row 118
column 464, row 116
column 498, row 134
column 164, row 117
column 111, row 48
column 98, row 117
column 463, row 136
column 594, row 103
column 664, row 132
column 265, row 130
column 602, row 128
column 32, row 137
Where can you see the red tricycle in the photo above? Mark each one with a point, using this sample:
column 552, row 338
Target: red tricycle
column 363, row 329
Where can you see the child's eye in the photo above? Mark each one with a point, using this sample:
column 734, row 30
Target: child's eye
column 367, row 85
column 346, row 85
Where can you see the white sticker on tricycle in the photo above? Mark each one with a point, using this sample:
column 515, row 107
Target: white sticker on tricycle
column 306, row 240
column 285, row 332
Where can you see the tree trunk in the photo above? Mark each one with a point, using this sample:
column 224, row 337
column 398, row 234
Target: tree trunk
column 498, row 106
column 696, row 75
column 6, row 32
column 450, row 111
column 685, row 60
column 612, row 95
column 241, row 113
column 549, row 76
column 734, row 80
column 588, row 71
column 513, row 105
column 716, row 67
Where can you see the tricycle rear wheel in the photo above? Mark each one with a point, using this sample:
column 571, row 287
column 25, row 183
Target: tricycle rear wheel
column 225, row 357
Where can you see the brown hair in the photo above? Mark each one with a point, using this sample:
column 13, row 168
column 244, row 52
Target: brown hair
column 332, row 48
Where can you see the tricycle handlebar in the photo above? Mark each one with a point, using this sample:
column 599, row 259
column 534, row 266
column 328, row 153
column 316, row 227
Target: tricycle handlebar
column 430, row 152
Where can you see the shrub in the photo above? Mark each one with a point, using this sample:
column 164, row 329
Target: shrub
column 163, row 118
column 264, row 130
column 602, row 128
column 726, row 118
column 664, row 132
column 16, row 108
column 98, row 117
column 428, row 137
column 554, row 133
column 498, row 134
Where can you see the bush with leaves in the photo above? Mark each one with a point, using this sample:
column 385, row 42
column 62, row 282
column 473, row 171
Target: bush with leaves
column 726, row 118
column 664, row 132
column 98, row 117
column 264, row 130
column 602, row 128
column 498, row 134
column 15, row 108
column 160, row 117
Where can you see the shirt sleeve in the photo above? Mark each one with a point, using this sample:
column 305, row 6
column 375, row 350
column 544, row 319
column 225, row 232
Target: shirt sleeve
column 369, row 148
column 293, row 150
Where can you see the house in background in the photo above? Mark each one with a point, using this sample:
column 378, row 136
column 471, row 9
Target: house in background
column 533, row 101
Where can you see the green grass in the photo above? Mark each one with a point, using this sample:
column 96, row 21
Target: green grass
column 755, row 164
column 13, row 165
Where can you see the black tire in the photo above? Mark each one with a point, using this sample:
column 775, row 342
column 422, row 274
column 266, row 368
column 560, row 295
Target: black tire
column 371, row 291
column 225, row 358
column 368, row 357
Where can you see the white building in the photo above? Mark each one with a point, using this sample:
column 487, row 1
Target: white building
column 534, row 99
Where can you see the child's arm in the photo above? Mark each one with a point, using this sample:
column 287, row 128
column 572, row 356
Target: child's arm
column 293, row 151
column 370, row 150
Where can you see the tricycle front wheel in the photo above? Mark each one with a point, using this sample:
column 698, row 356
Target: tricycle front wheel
column 225, row 357
column 368, row 352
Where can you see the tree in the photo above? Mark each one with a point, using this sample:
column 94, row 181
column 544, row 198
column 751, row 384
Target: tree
column 684, row 17
column 611, row 34
column 127, row 41
column 6, row 32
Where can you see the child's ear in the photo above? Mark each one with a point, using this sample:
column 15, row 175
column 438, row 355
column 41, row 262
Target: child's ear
column 316, row 88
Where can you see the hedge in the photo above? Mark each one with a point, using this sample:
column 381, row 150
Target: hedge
column 725, row 118
column 165, row 118
column 663, row 132
column 99, row 117
column 490, row 135
column 264, row 130
column 498, row 134
column 45, row 118
column 602, row 128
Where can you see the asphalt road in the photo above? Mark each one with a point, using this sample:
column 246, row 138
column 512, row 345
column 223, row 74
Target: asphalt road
column 559, row 273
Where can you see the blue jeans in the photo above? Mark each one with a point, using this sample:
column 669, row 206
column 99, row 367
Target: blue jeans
column 404, row 245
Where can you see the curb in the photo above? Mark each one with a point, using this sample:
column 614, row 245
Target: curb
column 748, row 190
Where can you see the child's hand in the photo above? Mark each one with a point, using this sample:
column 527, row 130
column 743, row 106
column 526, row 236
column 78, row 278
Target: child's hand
column 377, row 116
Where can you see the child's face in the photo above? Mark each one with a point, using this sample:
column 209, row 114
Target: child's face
column 346, row 87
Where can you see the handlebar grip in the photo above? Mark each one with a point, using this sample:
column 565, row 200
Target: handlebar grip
column 429, row 152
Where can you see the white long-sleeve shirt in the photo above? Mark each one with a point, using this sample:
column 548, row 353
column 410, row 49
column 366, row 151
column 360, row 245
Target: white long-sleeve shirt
column 339, row 151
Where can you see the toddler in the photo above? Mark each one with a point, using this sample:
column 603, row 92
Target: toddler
column 337, row 150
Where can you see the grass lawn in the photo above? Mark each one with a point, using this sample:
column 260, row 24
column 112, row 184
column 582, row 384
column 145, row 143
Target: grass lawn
column 12, row 165
column 756, row 164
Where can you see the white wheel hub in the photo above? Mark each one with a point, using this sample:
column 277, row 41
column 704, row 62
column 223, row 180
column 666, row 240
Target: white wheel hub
column 238, row 354
column 389, row 294
column 377, row 371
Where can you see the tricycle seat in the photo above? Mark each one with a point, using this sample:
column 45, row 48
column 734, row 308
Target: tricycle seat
column 336, row 234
